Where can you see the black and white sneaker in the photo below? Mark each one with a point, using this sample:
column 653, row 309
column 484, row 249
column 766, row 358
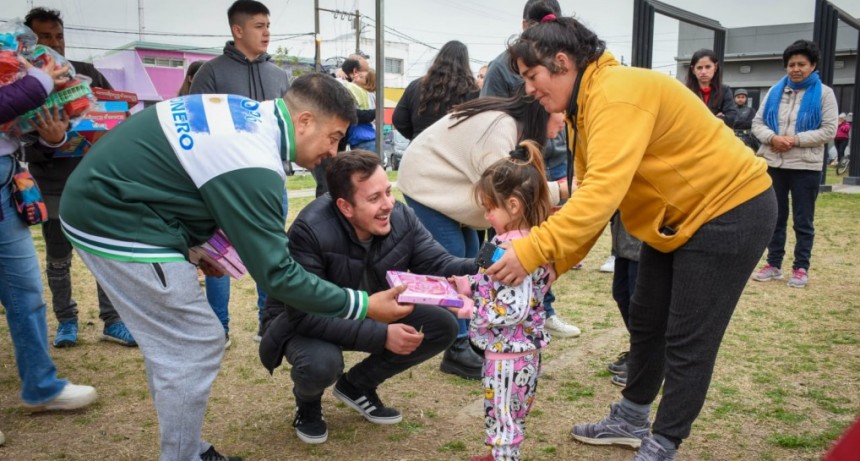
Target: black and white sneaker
column 212, row 455
column 309, row 423
column 366, row 402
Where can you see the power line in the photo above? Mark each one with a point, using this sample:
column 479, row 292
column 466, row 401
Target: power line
column 411, row 39
column 106, row 30
column 178, row 47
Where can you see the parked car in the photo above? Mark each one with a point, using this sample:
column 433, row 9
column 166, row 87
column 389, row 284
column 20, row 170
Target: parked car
column 394, row 147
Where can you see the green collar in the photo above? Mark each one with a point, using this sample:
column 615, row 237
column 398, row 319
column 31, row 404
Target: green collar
column 288, row 131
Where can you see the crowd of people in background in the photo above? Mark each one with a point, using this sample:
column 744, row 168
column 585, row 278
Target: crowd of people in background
column 492, row 155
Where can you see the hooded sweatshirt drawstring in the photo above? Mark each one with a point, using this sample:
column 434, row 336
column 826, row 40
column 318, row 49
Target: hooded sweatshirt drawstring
column 251, row 91
column 260, row 81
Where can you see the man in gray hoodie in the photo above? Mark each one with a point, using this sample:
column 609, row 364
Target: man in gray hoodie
column 244, row 69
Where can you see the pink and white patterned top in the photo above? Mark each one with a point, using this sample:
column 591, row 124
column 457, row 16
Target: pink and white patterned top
column 506, row 319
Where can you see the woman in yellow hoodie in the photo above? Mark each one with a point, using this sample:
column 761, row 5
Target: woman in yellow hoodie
column 684, row 185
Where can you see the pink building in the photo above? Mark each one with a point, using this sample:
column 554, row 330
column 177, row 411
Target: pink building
column 152, row 70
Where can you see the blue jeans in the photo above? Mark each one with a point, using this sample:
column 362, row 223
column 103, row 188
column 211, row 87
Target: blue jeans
column 218, row 290
column 366, row 145
column 457, row 239
column 802, row 185
column 557, row 172
column 21, row 295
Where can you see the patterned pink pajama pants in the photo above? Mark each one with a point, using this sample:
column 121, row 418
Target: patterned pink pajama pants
column 509, row 392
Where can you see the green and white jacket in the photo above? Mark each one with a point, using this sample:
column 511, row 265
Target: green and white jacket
column 165, row 179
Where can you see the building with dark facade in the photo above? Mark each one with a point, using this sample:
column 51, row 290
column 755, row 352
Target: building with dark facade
column 753, row 57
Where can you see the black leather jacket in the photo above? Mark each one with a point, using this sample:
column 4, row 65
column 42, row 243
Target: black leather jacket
column 325, row 244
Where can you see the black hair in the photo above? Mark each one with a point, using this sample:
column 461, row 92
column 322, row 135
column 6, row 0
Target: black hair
column 349, row 66
column 241, row 8
column 804, row 47
column 715, row 100
column 520, row 175
column 189, row 75
column 321, row 95
column 42, row 14
column 339, row 172
column 550, row 35
column 449, row 79
column 551, row 4
column 528, row 113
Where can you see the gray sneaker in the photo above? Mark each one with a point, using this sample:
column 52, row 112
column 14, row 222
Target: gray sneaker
column 651, row 450
column 799, row 278
column 767, row 273
column 613, row 430
column 620, row 379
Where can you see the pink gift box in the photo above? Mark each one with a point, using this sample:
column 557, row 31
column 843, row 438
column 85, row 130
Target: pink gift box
column 222, row 251
column 424, row 289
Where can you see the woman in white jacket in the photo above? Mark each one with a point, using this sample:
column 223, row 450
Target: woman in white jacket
column 795, row 122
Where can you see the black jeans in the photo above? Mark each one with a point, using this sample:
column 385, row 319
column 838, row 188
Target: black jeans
column 841, row 144
column 317, row 364
column 58, row 265
column 623, row 285
column 681, row 307
column 803, row 187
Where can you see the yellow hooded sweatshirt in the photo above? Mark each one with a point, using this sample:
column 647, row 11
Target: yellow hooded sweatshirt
column 646, row 145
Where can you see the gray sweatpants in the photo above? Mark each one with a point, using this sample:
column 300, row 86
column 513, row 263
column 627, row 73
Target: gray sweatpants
column 180, row 337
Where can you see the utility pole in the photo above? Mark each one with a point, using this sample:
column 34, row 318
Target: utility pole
column 380, row 77
column 140, row 26
column 357, row 26
column 317, row 38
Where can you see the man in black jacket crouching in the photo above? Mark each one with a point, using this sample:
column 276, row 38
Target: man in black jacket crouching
column 351, row 237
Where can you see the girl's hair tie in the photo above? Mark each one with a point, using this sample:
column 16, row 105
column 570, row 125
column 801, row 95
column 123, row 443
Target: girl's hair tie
column 547, row 18
column 520, row 153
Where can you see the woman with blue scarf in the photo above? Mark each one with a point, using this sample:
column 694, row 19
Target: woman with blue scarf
column 796, row 121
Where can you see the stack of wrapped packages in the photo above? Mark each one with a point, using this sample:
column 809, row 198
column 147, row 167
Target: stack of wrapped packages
column 92, row 111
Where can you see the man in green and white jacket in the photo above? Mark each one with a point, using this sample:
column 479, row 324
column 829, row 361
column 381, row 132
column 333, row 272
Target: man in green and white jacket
column 160, row 184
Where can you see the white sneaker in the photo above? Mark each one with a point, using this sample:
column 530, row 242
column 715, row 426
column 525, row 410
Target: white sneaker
column 609, row 265
column 72, row 397
column 560, row 328
column 2, row 438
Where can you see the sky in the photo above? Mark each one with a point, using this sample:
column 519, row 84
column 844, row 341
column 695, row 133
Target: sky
column 93, row 27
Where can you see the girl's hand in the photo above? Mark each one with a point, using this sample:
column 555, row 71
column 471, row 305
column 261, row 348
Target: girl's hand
column 51, row 125
column 59, row 74
column 24, row 62
column 467, row 311
column 508, row 269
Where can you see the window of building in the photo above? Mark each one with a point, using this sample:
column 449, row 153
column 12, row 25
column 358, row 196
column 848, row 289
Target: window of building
column 152, row 61
column 393, row 66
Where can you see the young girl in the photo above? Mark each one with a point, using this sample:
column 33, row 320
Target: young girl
column 508, row 321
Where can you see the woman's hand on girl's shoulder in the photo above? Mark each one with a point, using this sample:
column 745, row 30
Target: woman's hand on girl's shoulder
column 508, row 269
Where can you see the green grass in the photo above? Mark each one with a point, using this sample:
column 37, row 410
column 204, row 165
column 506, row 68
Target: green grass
column 784, row 387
